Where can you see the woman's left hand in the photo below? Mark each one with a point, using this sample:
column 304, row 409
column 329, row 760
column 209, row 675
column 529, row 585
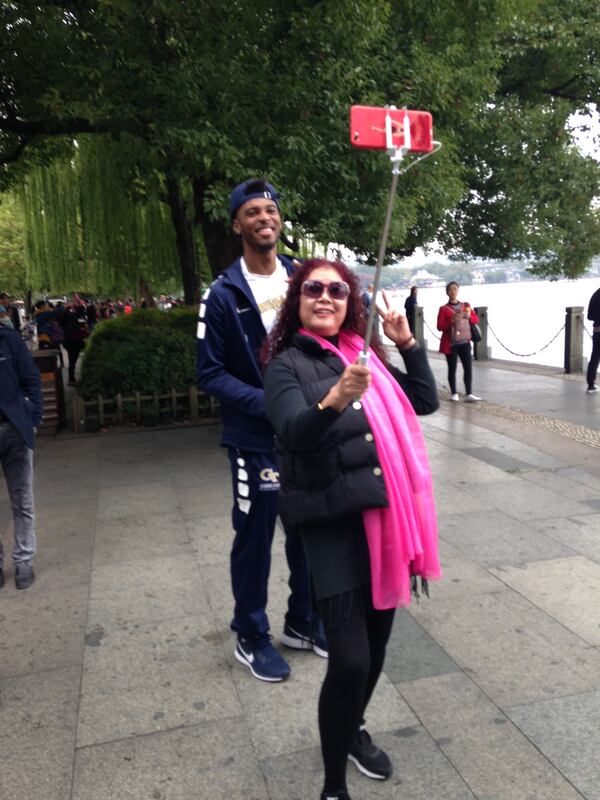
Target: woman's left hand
column 395, row 324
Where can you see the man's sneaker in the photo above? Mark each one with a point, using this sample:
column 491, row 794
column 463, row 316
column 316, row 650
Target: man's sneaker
column 472, row 398
column 309, row 636
column 335, row 796
column 261, row 658
column 370, row 760
column 24, row 576
column 1, row 577
column 592, row 389
column 455, row 398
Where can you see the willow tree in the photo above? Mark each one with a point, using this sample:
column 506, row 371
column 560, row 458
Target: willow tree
column 89, row 229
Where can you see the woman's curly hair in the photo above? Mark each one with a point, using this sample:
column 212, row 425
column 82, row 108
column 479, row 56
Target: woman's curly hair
column 288, row 320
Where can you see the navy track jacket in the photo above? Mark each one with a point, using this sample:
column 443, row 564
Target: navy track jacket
column 230, row 336
column 20, row 385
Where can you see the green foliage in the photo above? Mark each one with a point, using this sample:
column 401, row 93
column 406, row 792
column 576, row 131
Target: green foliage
column 212, row 93
column 145, row 351
column 12, row 247
column 87, row 230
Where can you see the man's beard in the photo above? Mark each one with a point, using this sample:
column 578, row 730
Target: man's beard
column 258, row 246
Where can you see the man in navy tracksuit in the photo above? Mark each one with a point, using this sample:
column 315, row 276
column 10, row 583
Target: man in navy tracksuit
column 21, row 407
column 236, row 314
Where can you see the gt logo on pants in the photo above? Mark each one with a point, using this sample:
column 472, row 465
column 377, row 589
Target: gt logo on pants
column 268, row 474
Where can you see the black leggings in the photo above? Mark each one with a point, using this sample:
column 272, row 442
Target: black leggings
column 356, row 655
column 462, row 351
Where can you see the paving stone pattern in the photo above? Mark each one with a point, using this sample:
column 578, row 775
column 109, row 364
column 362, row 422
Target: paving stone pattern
column 117, row 675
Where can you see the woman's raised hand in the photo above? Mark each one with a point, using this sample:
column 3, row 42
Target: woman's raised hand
column 354, row 382
column 395, row 324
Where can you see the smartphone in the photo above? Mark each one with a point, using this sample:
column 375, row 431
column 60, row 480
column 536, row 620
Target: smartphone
column 367, row 128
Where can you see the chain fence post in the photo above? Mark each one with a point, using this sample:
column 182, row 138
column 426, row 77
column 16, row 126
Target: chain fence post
column 574, row 339
column 480, row 349
column 419, row 326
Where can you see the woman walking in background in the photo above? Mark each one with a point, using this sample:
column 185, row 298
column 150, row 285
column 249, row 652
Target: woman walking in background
column 355, row 483
column 454, row 320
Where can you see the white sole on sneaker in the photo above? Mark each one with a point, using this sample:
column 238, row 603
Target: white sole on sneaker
column 246, row 663
column 296, row 643
column 302, row 643
column 319, row 651
column 366, row 771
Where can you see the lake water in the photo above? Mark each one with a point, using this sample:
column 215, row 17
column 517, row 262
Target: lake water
column 523, row 317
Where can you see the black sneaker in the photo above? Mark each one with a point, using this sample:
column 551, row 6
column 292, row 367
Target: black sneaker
column 309, row 636
column 370, row 760
column 24, row 576
column 261, row 658
column 1, row 578
column 335, row 796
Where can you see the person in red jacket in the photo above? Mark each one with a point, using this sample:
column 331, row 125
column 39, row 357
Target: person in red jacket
column 454, row 320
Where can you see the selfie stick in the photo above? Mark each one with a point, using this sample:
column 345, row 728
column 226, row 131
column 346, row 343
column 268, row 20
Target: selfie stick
column 396, row 155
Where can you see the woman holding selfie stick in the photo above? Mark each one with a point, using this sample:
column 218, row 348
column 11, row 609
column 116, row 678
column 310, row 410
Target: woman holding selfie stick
column 355, row 482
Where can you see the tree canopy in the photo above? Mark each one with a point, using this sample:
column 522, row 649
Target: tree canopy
column 215, row 93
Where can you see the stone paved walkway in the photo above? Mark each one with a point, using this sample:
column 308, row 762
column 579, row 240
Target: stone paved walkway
column 117, row 676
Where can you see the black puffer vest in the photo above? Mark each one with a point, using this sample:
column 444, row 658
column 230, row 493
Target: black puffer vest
column 343, row 475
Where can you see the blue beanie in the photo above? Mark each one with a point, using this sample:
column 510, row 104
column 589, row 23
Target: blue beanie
column 248, row 190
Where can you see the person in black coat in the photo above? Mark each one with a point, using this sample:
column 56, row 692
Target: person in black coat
column 332, row 471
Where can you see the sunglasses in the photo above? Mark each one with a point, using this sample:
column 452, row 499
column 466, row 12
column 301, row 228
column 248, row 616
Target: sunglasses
column 337, row 290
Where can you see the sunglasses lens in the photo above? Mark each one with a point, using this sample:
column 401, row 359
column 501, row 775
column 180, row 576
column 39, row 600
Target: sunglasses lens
column 313, row 288
column 338, row 290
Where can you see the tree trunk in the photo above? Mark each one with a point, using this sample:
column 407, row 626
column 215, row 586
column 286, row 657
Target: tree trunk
column 146, row 293
column 222, row 245
column 186, row 245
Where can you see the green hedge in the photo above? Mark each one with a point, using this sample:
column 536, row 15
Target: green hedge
column 146, row 351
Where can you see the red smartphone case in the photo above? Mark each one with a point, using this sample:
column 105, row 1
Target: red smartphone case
column 367, row 128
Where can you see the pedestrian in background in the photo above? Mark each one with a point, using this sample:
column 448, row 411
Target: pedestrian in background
column 355, row 481
column 20, row 414
column 11, row 310
column 75, row 327
column 454, row 321
column 594, row 315
column 409, row 308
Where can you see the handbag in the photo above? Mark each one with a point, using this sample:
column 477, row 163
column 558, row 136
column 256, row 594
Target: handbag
column 475, row 332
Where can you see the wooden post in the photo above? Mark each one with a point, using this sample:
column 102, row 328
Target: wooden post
column 193, row 404
column 156, row 405
column 119, row 399
column 174, row 403
column 78, row 414
column 101, row 410
column 138, row 407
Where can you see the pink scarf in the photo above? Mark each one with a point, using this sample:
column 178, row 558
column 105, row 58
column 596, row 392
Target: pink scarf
column 402, row 538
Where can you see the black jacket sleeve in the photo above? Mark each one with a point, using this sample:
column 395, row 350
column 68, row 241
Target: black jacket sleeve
column 299, row 426
column 417, row 382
